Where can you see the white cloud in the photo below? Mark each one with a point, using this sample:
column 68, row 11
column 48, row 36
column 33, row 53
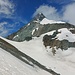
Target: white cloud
column 69, row 13
column 49, row 11
column 3, row 30
column 6, row 7
column 6, row 10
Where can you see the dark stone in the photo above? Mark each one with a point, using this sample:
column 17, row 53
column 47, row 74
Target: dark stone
column 28, row 38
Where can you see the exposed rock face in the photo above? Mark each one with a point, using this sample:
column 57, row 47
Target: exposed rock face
column 38, row 17
column 26, row 31
column 53, row 42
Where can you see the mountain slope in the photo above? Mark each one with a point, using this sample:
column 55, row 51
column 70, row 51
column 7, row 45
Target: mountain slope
column 63, row 62
column 46, row 46
column 37, row 26
column 9, row 65
column 26, row 31
column 23, row 57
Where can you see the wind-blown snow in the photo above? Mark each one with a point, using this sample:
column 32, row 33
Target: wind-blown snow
column 46, row 21
column 63, row 62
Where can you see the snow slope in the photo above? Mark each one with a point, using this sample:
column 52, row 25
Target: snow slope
column 10, row 65
column 63, row 62
column 64, row 34
column 46, row 21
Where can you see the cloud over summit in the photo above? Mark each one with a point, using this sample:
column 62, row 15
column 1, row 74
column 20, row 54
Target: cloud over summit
column 68, row 12
column 49, row 11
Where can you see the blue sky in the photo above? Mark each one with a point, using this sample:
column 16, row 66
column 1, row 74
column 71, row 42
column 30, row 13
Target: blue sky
column 16, row 13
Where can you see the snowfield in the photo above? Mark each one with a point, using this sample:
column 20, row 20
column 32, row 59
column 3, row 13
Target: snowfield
column 10, row 65
column 63, row 62
column 46, row 21
column 66, row 34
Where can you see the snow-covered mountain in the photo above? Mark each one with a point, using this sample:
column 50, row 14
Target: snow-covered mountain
column 37, row 26
column 46, row 21
column 38, row 59
column 45, row 47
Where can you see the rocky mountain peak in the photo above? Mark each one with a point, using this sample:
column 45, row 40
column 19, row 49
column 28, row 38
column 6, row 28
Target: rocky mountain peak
column 39, row 17
column 37, row 26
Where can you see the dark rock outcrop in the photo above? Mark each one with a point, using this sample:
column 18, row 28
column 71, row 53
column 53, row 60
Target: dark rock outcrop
column 63, row 44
